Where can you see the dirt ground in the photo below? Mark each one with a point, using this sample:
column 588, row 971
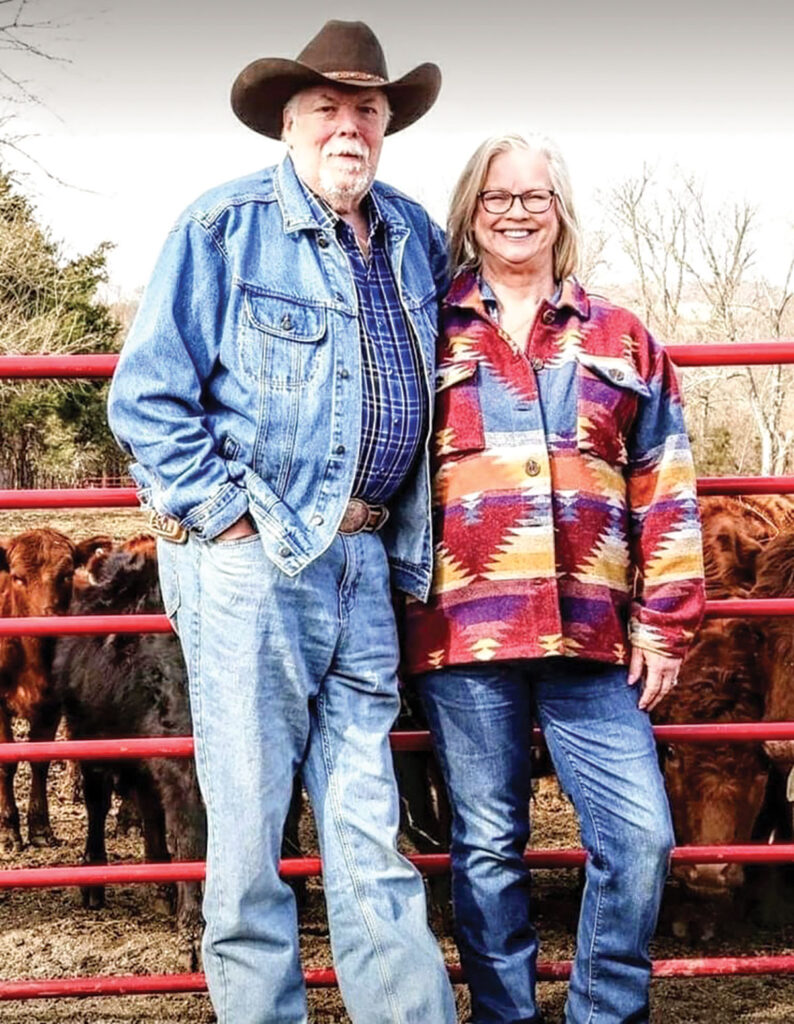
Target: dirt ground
column 47, row 933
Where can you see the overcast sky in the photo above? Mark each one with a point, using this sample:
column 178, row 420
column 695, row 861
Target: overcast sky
column 139, row 120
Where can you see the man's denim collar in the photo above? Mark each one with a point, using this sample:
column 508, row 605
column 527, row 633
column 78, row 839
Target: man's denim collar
column 300, row 214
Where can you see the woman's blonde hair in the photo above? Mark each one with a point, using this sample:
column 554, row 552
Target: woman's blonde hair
column 463, row 249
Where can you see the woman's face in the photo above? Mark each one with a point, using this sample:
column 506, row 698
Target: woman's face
column 517, row 238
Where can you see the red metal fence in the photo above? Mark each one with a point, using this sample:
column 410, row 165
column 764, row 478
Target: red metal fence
column 99, row 366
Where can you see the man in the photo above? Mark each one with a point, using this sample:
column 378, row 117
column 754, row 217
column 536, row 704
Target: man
column 274, row 393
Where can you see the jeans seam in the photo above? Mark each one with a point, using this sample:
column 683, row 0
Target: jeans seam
column 208, row 775
column 350, row 862
column 599, row 895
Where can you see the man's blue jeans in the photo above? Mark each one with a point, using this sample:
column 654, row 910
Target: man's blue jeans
column 299, row 674
column 604, row 755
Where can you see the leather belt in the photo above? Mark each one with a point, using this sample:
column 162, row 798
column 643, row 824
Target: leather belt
column 166, row 527
column 360, row 517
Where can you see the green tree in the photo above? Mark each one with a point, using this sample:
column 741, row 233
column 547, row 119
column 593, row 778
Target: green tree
column 51, row 432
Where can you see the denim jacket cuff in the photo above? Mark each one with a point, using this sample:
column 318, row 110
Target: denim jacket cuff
column 217, row 513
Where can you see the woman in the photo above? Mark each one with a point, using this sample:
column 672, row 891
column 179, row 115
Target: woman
column 568, row 584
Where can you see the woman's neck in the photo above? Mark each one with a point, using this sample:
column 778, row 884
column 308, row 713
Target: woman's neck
column 519, row 285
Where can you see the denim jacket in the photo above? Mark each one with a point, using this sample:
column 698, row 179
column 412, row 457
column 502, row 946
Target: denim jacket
column 239, row 387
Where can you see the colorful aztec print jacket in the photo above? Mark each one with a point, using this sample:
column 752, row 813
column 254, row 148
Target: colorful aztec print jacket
column 565, row 514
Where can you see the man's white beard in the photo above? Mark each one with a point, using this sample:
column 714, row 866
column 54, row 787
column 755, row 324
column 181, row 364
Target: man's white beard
column 338, row 185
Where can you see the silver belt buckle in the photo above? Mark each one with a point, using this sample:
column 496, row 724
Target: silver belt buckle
column 358, row 517
column 166, row 527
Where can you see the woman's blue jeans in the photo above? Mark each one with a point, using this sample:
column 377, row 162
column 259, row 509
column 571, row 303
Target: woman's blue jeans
column 604, row 755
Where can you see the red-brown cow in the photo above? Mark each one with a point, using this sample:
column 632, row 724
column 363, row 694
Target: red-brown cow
column 36, row 573
column 775, row 578
column 716, row 791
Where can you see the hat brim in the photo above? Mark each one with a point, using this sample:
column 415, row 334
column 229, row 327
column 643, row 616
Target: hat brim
column 262, row 89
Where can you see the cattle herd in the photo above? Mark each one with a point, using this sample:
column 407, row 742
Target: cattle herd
column 122, row 685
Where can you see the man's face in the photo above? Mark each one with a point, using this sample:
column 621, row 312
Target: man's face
column 334, row 137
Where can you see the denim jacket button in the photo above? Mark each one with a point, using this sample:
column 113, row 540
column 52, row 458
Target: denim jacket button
column 286, row 322
column 344, row 374
column 339, row 297
column 317, row 520
column 340, row 449
column 284, row 552
column 322, row 241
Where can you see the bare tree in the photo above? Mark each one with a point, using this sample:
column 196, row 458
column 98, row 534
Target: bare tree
column 693, row 262
column 653, row 231
column 22, row 37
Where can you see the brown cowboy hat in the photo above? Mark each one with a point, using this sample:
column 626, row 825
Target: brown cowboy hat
column 342, row 53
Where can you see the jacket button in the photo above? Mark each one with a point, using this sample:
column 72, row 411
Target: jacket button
column 340, row 449
column 548, row 316
column 536, row 363
column 317, row 520
column 617, row 375
column 322, row 241
column 286, row 322
column 344, row 374
column 284, row 552
column 532, row 467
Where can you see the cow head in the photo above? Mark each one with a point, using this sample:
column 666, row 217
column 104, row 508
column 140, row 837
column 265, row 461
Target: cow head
column 730, row 549
column 39, row 566
column 716, row 794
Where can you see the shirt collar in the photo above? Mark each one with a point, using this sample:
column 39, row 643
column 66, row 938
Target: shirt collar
column 328, row 218
column 470, row 290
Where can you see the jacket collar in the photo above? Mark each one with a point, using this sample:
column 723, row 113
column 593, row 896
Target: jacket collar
column 299, row 214
column 464, row 292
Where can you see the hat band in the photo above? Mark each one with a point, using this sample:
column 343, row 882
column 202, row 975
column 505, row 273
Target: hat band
column 355, row 76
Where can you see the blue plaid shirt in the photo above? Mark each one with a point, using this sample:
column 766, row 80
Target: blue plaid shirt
column 394, row 410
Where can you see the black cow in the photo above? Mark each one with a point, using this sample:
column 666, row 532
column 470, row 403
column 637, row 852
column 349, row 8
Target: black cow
column 126, row 685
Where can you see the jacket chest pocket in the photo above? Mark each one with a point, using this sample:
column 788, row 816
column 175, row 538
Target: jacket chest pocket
column 282, row 340
column 609, row 390
column 458, row 424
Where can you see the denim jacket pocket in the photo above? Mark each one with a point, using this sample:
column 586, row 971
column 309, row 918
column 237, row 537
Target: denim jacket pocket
column 458, row 417
column 281, row 337
column 609, row 390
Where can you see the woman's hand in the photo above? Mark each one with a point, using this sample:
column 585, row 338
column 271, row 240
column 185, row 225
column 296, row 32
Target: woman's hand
column 660, row 675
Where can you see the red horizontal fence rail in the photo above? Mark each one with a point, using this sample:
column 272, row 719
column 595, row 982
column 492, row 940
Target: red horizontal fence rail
column 98, row 625
column 102, row 366
column 757, row 353
column 126, row 497
column 311, row 867
column 548, row 970
column 182, row 746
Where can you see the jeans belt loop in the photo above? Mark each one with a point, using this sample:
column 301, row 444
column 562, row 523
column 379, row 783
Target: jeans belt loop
column 360, row 517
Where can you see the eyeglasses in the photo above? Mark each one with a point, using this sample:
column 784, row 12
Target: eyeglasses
column 497, row 200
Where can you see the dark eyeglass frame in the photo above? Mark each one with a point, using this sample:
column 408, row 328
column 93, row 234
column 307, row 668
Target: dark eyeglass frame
column 522, row 197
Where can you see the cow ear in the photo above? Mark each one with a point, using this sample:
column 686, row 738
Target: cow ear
column 747, row 552
column 91, row 546
column 739, row 553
